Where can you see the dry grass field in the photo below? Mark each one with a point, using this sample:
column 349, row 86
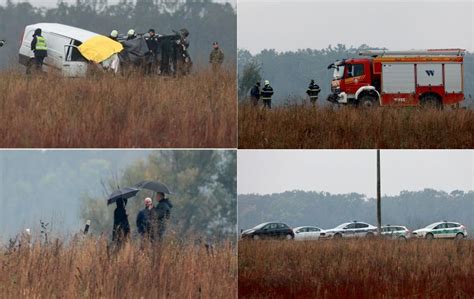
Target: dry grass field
column 90, row 269
column 356, row 269
column 107, row 111
column 302, row 126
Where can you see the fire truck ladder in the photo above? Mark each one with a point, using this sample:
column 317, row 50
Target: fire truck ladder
column 428, row 52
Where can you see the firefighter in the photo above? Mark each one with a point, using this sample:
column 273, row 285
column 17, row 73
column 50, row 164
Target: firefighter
column 131, row 34
column 255, row 94
column 114, row 35
column 216, row 58
column 266, row 94
column 2, row 42
column 152, row 43
column 313, row 92
column 40, row 49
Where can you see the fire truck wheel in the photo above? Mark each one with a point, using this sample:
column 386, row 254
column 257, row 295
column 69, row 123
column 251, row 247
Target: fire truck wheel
column 430, row 101
column 367, row 101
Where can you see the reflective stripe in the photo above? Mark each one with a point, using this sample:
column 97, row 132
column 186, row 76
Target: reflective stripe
column 40, row 43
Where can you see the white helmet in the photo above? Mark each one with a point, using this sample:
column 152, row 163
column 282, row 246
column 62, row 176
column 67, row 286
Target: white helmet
column 114, row 33
column 267, row 82
column 131, row 32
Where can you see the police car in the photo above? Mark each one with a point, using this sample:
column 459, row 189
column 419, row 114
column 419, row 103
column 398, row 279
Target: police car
column 442, row 230
column 351, row 230
column 398, row 232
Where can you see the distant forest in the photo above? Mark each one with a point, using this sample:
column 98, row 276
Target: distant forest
column 290, row 72
column 206, row 21
column 412, row 209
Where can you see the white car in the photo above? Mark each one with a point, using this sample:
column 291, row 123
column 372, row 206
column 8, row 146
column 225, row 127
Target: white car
column 308, row 233
column 351, row 230
column 62, row 42
column 398, row 232
column 442, row 230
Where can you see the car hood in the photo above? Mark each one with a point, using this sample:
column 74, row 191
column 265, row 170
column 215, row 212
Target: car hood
column 248, row 231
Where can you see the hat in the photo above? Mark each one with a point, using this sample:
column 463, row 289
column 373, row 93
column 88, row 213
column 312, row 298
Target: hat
column 151, row 30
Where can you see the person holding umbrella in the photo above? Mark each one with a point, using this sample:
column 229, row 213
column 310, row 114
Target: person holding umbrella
column 121, row 229
column 163, row 208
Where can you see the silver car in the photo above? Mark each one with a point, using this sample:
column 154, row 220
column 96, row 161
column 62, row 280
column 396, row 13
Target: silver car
column 351, row 230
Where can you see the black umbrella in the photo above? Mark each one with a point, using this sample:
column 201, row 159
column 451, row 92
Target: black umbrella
column 123, row 193
column 154, row 186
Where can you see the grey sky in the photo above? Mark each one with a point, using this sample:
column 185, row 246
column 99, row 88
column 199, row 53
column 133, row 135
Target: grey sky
column 345, row 171
column 52, row 3
column 397, row 25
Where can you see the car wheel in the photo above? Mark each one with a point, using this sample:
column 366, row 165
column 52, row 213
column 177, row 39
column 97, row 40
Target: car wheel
column 289, row 237
column 429, row 236
column 337, row 236
column 256, row 237
column 459, row 236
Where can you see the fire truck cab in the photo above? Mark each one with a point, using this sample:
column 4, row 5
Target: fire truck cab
column 399, row 78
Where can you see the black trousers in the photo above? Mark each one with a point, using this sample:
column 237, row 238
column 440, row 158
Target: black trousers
column 39, row 62
column 267, row 103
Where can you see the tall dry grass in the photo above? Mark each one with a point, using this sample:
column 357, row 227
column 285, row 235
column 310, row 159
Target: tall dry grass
column 303, row 126
column 91, row 269
column 356, row 269
column 103, row 111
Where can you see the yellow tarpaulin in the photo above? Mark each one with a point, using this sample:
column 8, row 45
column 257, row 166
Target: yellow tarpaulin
column 99, row 48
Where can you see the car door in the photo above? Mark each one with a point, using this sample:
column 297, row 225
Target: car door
column 313, row 233
column 73, row 65
column 349, row 230
column 451, row 230
column 439, row 231
column 283, row 230
column 361, row 229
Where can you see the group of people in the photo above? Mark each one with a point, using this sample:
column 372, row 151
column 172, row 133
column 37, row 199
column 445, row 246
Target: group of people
column 151, row 220
column 266, row 93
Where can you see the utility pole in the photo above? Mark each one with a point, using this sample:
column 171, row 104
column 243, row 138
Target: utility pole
column 379, row 208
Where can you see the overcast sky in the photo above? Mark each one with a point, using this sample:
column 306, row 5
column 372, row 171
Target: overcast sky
column 345, row 171
column 396, row 25
column 52, row 3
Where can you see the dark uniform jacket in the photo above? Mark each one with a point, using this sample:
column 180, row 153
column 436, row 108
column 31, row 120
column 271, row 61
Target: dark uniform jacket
column 313, row 90
column 145, row 221
column 121, row 225
column 267, row 92
column 255, row 92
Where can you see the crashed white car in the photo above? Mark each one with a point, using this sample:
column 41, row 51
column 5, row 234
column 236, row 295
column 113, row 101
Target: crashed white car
column 63, row 44
column 442, row 230
column 351, row 230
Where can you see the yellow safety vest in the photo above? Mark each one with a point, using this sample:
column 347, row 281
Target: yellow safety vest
column 41, row 43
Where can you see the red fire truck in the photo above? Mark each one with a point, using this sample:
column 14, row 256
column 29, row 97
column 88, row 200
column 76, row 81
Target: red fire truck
column 399, row 78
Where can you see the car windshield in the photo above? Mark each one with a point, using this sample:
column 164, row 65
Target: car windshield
column 338, row 72
column 433, row 225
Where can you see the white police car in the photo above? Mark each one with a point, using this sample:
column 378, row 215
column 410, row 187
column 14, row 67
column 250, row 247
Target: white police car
column 442, row 230
column 398, row 232
column 351, row 230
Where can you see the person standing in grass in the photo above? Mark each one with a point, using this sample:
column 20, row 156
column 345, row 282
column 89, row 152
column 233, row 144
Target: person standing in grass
column 145, row 219
column 216, row 58
column 313, row 92
column 121, row 229
column 40, row 49
column 163, row 213
column 266, row 94
column 255, row 94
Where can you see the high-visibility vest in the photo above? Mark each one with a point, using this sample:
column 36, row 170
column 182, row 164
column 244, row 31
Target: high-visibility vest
column 41, row 43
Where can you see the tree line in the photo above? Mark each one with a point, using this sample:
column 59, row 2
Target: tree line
column 290, row 72
column 207, row 22
column 415, row 209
